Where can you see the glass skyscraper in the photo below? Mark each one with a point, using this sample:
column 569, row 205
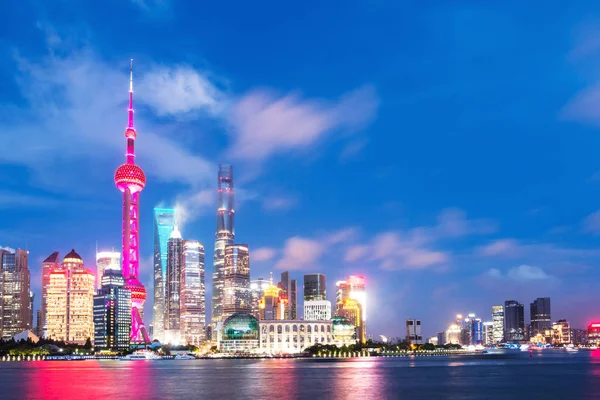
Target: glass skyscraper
column 173, row 285
column 224, row 236
column 15, row 300
column 288, row 287
column 112, row 312
column 497, row 324
column 314, row 287
column 193, row 310
column 164, row 223
column 514, row 321
column 236, row 280
column 540, row 315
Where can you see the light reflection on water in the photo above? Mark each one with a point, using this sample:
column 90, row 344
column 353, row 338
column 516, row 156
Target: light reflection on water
column 550, row 375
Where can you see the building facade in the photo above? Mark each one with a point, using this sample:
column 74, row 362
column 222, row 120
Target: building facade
column 224, row 236
column 541, row 320
column 288, row 288
column 164, row 223
column 317, row 310
column 315, row 288
column 562, row 332
column 51, row 263
column 172, row 314
column 514, row 321
column 413, row 331
column 112, row 312
column 497, row 324
column 257, row 291
column 236, row 281
column 15, row 300
column 353, row 288
column 192, row 305
column 488, row 333
column 272, row 306
column 106, row 260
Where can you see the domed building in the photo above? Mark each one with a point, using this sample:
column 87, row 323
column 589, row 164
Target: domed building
column 239, row 334
column 344, row 332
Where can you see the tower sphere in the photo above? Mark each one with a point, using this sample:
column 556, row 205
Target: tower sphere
column 138, row 292
column 130, row 176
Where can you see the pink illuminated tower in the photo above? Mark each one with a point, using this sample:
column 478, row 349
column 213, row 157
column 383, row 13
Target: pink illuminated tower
column 130, row 179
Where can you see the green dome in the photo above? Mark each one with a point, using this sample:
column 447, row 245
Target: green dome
column 240, row 326
column 343, row 329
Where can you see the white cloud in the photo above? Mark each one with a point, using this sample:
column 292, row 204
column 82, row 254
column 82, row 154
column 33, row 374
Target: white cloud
column 341, row 236
column 263, row 254
column 501, row 247
column 190, row 206
column 279, row 203
column 521, row 274
column 300, row 253
column 453, row 222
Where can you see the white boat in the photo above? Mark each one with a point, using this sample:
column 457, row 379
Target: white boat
column 571, row 348
column 184, row 357
column 141, row 355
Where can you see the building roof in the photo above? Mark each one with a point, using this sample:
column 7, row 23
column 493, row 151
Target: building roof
column 73, row 254
column 52, row 258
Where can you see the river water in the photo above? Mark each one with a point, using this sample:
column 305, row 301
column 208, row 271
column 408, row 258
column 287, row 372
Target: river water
column 550, row 374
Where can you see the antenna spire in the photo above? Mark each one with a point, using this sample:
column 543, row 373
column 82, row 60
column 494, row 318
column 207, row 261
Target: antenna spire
column 131, row 74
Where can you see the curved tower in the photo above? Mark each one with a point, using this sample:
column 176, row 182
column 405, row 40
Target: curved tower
column 130, row 179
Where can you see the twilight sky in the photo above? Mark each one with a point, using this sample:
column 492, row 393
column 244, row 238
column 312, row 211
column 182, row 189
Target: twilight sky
column 448, row 152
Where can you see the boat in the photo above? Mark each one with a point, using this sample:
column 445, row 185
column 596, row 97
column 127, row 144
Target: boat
column 571, row 348
column 141, row 355
column 181, row 356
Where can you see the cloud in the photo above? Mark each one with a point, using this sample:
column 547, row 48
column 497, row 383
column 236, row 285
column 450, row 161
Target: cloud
column 521, row 274
column 263, row 254
column 453, row 222
column 591, row 223
column 341, row 236
column 300, row 253
column 17, row 200
column 264, row 124
column 501, row 247
column 279, row 203
column 355, row 253
column 352, row 149
column 190, row 206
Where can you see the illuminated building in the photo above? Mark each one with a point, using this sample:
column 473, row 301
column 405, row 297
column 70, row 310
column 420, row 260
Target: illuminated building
column 441, row 338
column 453, row 334
column 413, row 331
column 272, row 306
column 593, row 334
column 257, row 290
column 433, row 340
column 315, row 287
column 351, row 309
column 224, row 236
column 540, row 315
column 48, row 265
column 317, row 310
column 562, row 332
column 112, row 311
column 164, row 223
column 130, row 179
column 354, row 288
column 236, row 281
column 239, row 334
column 70, row 301
column 15, row 300
column 193, row 317
column 514, row 321
column 488, row 333
column 472, row 330
column 579, row 336
column 288, row 337
column 106, row 260
column 497, row 324
column 172, row 332
column 288, row 287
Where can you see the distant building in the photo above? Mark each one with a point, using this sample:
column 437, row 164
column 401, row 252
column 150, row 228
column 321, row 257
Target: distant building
column 317, row 310
column 351, row 309
column 441, row 338
column 172, row 332
column 315, row 287
column 488, row 333
column 453, row 334
column 257, row 290
column 540, row 315
column 236, row 281
column 514, row 321
column 433, row 340
column 15, row 300
column 288, row 287
column 39, row 329
column 562, row 332
column 272, row 306
column 164, row 223
column 354, row 288
column 413, row 331
column 497, row 324
column 580, row 336
column 240, row 334
column 192, row 304
column 106, row 260
column 51, row 263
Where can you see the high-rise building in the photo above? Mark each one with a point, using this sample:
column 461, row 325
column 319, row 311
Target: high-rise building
column 453, row 334
column 514, row 321
column 70, row 301
column 112, row 311
column 224, row 236
column 562, row 332
column 354, row 288
column 580, row 336
column 131, row 180
column 497, row 324
column 352, row 310
column 173, row 287
column 272, row 306
column 441, row 338
column 315, row 287
column 488, row 333
column 15, row 300
column 288, row 288
column 192, row 304
column 48, row 265
column 236, row 280
column 164, row 223
column 413, row 331
column 39, row 329
column 540, row 316
column 257, row 290
column 593, row 334
column 106, row 260
column 317, row 310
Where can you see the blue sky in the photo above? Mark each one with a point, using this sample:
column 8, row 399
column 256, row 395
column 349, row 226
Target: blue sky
column 445, row 150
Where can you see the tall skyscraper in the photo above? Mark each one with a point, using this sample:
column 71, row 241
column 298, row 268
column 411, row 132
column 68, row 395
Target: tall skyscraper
column 315, row 287
column 257, row 290
column 173, row 287
column 70, row 301
column 413, row 331
column 48, row 265
column 540, row 316
column 106, row 260
column 15, row 300
column 354, row 288
column 192, row 304
column 497, row 324
column 224, row 236
column 272, row 306
column 130, row 179
column 488, row 333
column 236, row 280
column 112, row 311
column 514, row 321
column 164, row 223
column 288, row 288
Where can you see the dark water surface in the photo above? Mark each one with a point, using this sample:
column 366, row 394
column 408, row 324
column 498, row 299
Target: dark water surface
column 550, row 374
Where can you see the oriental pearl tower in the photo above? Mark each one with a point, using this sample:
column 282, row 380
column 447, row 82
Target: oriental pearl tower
column 130, row 179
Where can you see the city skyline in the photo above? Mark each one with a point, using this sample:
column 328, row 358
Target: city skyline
column 340, row 167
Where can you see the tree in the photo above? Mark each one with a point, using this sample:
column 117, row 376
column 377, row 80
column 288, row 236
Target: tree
column 88, row 344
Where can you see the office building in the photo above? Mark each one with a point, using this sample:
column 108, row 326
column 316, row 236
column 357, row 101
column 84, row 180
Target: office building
column 15, row 298
column 593, row 334
column 106, row 260
column 351, row 309
column 236, row 281
column 514, row 321
column 497, row 324
column 172, row 332
column 224, row 236
column 353, row 288
column 288, row 287
column 488, row 333
column 272, row 306
column 164, row 223
column 70, row 301
column 541, row 320
column 562, row 332
column 580, row 336
column 51, row 263
column 315, row 288
column 192, row 305
column 257, row 290
column 413, row 331
column 453, row 334
column 317, row 310
column 441, row 338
